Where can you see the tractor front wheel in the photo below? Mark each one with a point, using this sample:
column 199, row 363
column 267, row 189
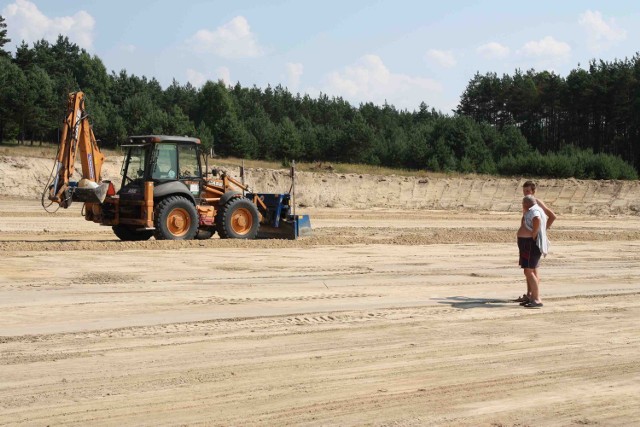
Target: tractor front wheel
column 176, row 218
column 238, row 219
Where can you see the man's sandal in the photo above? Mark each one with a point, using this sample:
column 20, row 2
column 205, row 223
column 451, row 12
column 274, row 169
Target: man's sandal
column 523, row 298
column 533, row 304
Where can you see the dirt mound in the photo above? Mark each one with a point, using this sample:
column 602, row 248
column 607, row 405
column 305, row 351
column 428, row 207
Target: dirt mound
column 26, row 177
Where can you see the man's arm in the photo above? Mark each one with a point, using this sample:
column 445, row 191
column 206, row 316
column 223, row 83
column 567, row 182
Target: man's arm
column 536, row 227
column 551, row 216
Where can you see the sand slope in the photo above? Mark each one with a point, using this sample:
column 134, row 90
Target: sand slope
column 26, row 177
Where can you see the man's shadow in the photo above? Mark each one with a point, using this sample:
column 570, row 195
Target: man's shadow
column 469, row 302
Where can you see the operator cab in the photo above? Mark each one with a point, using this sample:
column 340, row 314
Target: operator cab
column 168, row 161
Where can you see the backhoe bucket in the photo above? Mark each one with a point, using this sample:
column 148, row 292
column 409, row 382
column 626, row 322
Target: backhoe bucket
column 90, row 194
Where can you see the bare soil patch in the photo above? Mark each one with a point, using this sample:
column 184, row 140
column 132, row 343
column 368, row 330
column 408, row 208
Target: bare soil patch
column 385, row 316
column 397, row 311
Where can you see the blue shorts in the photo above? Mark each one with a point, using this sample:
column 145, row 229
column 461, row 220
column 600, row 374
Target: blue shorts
column 529, row 252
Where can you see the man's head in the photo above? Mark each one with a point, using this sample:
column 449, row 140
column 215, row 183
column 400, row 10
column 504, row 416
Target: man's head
column 529, row 187
column 528, row 201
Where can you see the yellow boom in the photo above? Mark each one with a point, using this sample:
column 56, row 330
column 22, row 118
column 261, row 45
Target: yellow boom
column 77, row 138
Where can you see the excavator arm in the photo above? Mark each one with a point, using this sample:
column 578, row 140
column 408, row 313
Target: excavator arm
column 77, row 139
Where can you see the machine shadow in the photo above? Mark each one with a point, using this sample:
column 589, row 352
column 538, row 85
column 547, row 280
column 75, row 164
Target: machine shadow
column 470, row 302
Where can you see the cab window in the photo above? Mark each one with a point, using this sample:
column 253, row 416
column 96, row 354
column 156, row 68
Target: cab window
column 166, row 162
column 189, row 165
column 133, row 167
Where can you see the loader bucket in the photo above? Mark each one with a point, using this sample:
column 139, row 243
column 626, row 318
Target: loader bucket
column 90, row 194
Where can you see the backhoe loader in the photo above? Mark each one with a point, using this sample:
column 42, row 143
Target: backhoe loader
column 164, row 192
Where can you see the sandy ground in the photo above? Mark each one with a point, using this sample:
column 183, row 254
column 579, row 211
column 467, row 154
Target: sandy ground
column 384, row 317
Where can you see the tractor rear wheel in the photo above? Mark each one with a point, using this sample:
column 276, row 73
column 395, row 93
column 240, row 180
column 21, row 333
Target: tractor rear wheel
column 127, row 233
column 238, row 219
column 176, row 218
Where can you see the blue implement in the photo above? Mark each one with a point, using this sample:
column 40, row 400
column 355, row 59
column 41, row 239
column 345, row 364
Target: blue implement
column 278, row 221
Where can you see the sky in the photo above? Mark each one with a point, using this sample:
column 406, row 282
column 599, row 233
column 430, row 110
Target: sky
column 399, row 52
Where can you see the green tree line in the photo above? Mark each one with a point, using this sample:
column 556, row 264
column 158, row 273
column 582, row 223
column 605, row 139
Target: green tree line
column 270, row 123
column 595, row 109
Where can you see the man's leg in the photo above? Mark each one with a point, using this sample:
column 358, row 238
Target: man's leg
column 532, row 284
column 524, row 250
column 536, row 273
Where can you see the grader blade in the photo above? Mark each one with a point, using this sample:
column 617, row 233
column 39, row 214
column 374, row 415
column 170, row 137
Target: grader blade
column 285, row 230
column 290, row 228
column 278, row 221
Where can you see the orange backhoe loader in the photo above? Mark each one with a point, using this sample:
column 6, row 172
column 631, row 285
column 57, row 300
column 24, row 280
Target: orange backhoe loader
column 164, row 191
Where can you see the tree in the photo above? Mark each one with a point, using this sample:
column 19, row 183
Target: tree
column 233, row 139
column 576, row 105
column 509, row 142
column 3, row 39
column 180, row 96
column 25, row 57
column 115, row 131
column 290, row 140
column 483, row 99
column 13, row 84
column 264, row 131
column 179, row 123
column 92, row 78
column 213, row 104
column 417, row 150
column 205, row 135
column 142, row 116
column 43, row 116
column 35, row 105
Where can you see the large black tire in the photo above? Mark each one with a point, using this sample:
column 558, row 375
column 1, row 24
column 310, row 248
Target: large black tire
column 128, row 233
column 238, row 219
column 205, row 233
column 176, row 218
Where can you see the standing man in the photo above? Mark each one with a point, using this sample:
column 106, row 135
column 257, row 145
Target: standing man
column 532, row 245
column 529, row 188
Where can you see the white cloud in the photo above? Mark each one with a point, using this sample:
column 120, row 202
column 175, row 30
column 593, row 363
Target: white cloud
column 294, row 72
column 600, row 34
column 26, row 22
column 493, row 50
column 547, row 47
column 196, row 78
column 369, row 80
column 444, row 58
column 231, row 40
column 129, row 48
